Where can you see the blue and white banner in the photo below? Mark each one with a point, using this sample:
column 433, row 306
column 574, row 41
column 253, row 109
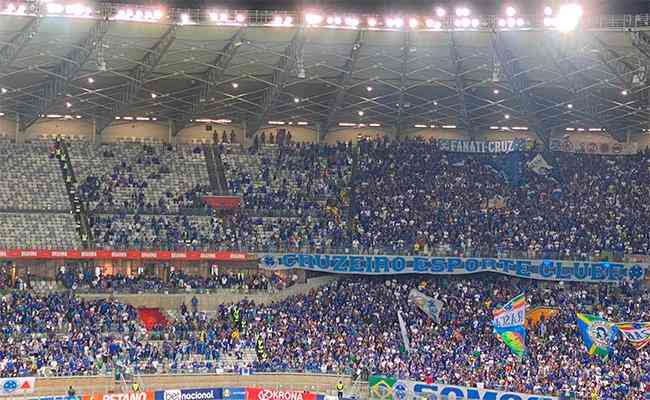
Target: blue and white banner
column 190, row 394
column 481, row 146
column 550, row 270
column 453, row 392
column 17, row 386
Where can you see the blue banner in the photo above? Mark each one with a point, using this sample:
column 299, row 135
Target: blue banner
column 481, row 146
column 550, row 270
column 190, row 394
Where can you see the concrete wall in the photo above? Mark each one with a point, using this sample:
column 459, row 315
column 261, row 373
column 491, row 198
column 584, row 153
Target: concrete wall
column 209, row 302
column 7, row 128
column 97, row 385
column 159, row 131
column 198, row 133
column 353, row 134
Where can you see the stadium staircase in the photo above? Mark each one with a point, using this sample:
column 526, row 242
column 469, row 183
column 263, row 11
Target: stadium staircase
column 150, row 317
column 79, row 209
column 352, row 208
column 215, row 169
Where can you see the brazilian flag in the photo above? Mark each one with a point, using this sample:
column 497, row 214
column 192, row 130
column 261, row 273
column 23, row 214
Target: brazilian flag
column 597, row 334
column 381, row 387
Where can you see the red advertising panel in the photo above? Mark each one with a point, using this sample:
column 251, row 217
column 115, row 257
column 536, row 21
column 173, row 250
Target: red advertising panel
column 223, row 202
column 154, row 255
column 148, row 395
column 277, row 394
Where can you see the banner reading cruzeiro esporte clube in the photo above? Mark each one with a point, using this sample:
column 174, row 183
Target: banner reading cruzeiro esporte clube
column 387, row 388
column 551, row 270
column 481, row 146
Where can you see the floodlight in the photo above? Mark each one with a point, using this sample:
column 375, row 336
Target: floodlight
column 441, row 12
column 568, row 17
column 372, row 22
column 413, row 23
column 511, row 12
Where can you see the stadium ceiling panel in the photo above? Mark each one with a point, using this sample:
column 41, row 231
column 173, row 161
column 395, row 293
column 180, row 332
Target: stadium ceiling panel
column 473, row 78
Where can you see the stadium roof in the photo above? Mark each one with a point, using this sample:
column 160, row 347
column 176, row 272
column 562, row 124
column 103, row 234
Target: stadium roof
column 254, row 67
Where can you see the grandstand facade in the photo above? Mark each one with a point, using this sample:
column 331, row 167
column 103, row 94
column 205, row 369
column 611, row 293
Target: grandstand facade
column 280, row 204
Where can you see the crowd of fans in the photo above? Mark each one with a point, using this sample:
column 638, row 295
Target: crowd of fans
column 412, row 198
column 347, row 326
column 88, row 280
column 409, row 197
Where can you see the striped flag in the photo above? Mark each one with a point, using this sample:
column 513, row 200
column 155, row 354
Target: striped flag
column 508, row 322
column 638, row 333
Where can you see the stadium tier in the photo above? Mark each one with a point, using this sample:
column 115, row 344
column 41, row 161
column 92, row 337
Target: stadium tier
column 445, row 206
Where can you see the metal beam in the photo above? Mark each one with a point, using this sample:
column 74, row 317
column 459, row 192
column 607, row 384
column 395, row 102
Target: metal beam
column 280, row 75
column 403, row 81
column 591, row 112
column 346, row 77
column 205, row 90
column 464, row 120
column 138, row 76
column 67, row 71
column 16, row 44
column 519, row 82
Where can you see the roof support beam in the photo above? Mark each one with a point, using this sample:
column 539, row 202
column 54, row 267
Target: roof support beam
column 519, row 82
column 346, row 77
column 591, row 112
column 138, row 76
column 280, row 75
column 205, row 90
column 464, row 120
column 67, row 71
column 403, row 81
column 16, row 44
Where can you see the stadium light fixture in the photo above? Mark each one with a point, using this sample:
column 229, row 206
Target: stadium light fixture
column 440, row 12
column 360, row 113
column 277, row 20
column 368, row 89
column 296, row 100
column 511, row 11
column 185, row 19
column 466, row 22
column 240, row 18
column 372, row 22
column 475, row 22
column 338, row 20
column 235, row 85
column 288, row 20
column 413, row 23
column 548, row 11
column 521, row 22
column 352, row 21
column 91, row 80
column 462, row 12
column 511, row 22
column 568, row 17
column 569, row 106
column 429, row 23
column 624, row 92
column 502, row 23
column 495, row 91
column 313, row 19
column 507, row 116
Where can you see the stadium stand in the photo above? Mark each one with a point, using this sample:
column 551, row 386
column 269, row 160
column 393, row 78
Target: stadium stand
column 347, row 326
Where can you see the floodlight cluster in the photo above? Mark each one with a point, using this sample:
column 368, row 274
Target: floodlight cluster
column 140, row 15
column 565, row 18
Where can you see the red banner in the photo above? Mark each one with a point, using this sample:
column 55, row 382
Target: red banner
column 223, row 202
column 277, row 394
column 148, row 395
column 154, row 255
